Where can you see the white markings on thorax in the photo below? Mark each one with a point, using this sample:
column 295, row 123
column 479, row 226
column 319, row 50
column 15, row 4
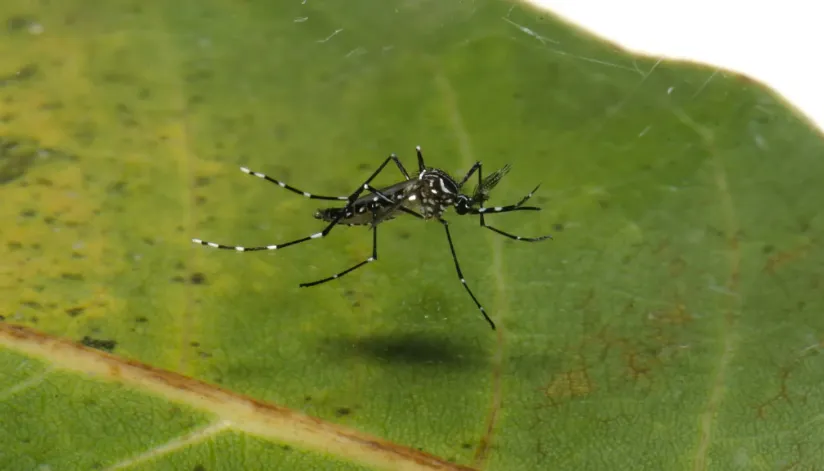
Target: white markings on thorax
column 443, row 186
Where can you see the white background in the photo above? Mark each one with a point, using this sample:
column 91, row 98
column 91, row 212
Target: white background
column 778, row 43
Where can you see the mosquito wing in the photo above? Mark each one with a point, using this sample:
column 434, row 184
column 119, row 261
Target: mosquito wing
column 393, row 197
column 384, row 204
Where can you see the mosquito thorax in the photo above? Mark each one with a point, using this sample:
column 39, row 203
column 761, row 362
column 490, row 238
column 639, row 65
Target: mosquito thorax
column 436, row 191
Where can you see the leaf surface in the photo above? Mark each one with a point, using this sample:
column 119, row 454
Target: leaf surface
column 674, row 322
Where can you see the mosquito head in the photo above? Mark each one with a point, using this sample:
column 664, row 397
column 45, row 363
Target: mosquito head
column 464, row 203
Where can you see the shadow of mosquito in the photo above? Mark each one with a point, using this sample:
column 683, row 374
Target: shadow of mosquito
column 413, row 348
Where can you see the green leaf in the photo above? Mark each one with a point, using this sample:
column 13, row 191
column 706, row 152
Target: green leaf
column 674, row 322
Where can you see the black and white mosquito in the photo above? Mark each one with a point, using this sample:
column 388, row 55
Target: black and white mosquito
column 425, row 196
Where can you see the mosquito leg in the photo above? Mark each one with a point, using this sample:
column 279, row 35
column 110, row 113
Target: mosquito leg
column 506, row 209
column 421, row 166
column 460, row 274
column 368, row 260
column 310, row 195
column 389, row 200
column 400, row 165
column 413, row 213
column 291, row 188
column 476, row 166
column 515, row 237
column 238, row 248
column 379, row 194
column 351, row 198
column 512, row 207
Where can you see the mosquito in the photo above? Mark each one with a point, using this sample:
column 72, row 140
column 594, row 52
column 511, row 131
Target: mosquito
column 425, row 196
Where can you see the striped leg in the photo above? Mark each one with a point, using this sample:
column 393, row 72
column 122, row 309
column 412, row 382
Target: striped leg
column 310, row 195
column 506, row 209
column 374, row 223
column 350, row 199
column 368, row 260
column 291, row 188
column 460, row 274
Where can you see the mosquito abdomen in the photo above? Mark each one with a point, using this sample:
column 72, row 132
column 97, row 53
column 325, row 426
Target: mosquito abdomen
column 328, row 214
column 350, row 217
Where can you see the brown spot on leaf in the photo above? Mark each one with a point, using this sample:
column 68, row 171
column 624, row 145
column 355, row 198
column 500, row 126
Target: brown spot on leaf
column 784, row 257
column 568, row 385
column 51, row 105
column 18, row 23
column 26, row 72
column 100, row 344
column 16, row 157
column 677, row 266
column 75, row 311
